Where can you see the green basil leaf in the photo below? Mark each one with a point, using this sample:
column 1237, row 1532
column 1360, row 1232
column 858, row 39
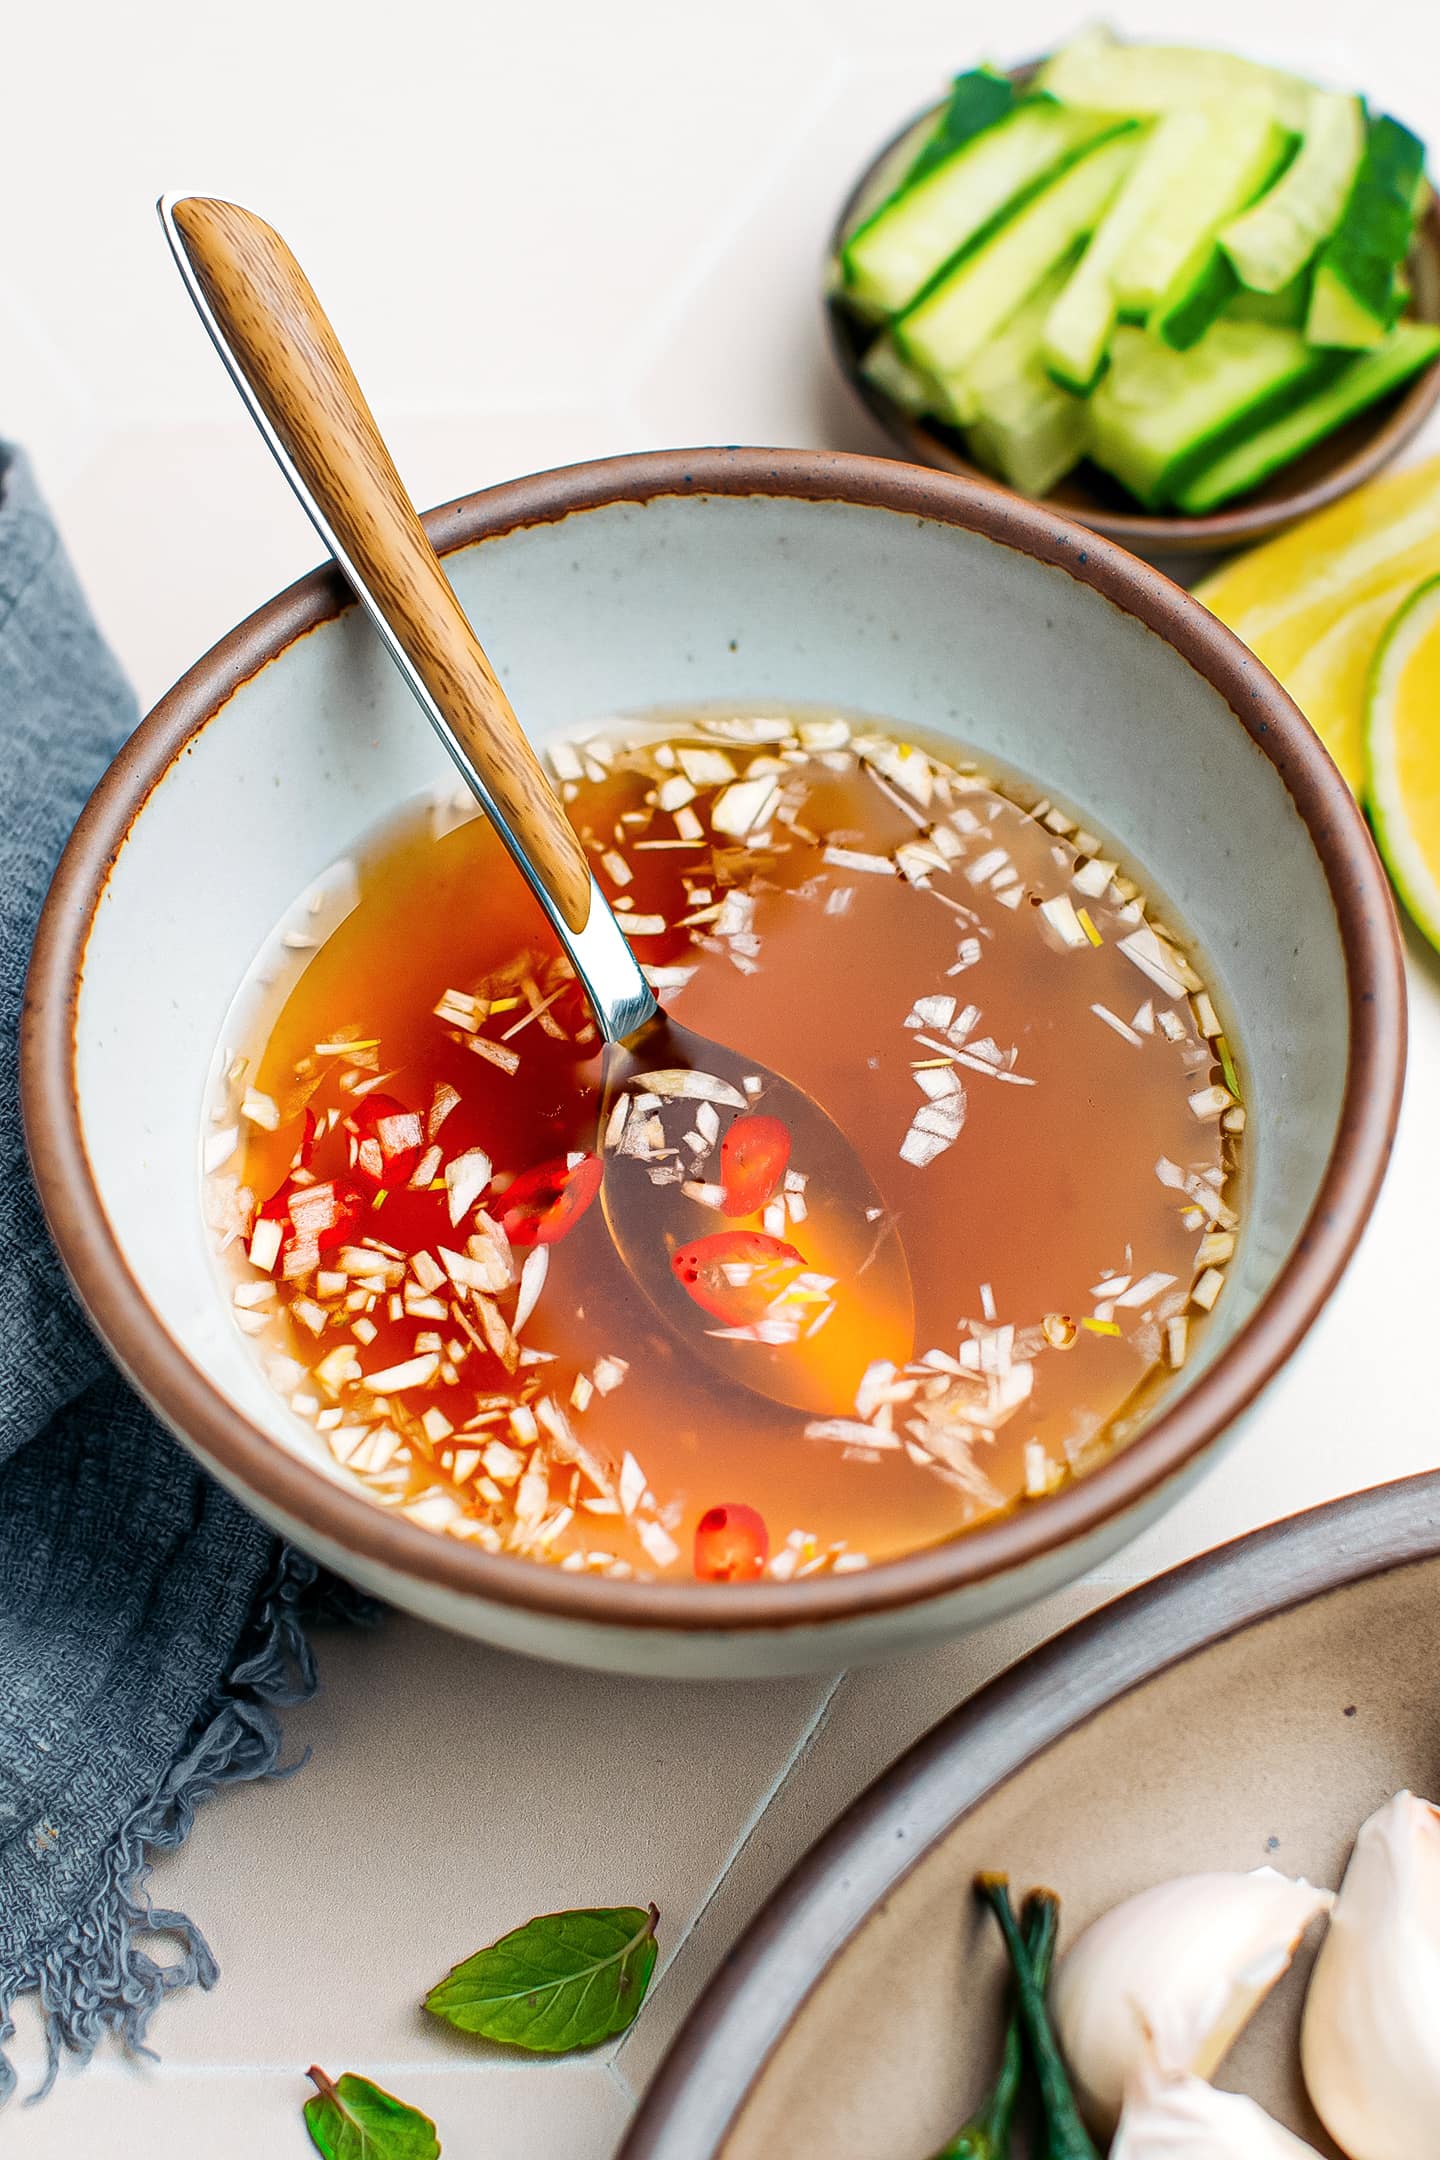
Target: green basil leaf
column 351, row 2119
column 565, row 1980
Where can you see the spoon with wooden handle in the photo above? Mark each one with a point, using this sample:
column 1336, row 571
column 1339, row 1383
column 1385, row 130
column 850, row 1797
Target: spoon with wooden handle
column 812, row 1319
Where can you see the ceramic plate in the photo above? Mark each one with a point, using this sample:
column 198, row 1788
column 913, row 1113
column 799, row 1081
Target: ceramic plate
column 1252, row 1707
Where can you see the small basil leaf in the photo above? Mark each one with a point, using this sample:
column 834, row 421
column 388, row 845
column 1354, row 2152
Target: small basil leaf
column 351, row 2119
column 565, row 1980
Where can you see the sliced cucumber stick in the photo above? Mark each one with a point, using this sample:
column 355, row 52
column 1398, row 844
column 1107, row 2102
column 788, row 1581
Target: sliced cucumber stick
column 1013, row 349
column 1235, row 157
column 949, row 325
column 1185, row 265
column 1018, row 422
column 904, row 385
column 1021, row 424
column 1007, row 361
column 1031, row 450
column 1097, row 71
column 1271, row 242
column 1360, row 382
column 1354, row 301
column 896, row 253
column 1077, row 335
column 1159, row 416
column 1253, row 155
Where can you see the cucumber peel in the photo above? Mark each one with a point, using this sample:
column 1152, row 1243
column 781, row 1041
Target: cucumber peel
column 1360, row 382
column 976, row 101
column 1201, row 291
column 1355, row 298
column 1271, row 242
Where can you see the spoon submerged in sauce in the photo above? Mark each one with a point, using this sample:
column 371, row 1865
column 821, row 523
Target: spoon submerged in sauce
column 793, row 1304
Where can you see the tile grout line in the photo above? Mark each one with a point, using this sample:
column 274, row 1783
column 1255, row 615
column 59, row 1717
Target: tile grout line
column 814, row 1726
column 608, row 2061
column 120, row 2066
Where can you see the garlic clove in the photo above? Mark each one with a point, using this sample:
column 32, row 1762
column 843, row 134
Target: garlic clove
column 1370, row 2041
column 1190, row 1959
column 1183, row 2118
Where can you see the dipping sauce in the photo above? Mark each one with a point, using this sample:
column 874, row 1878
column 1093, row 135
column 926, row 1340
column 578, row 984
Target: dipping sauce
column 406, row 1156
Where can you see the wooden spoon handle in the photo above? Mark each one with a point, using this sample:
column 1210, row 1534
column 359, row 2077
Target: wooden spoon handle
column 282, row 339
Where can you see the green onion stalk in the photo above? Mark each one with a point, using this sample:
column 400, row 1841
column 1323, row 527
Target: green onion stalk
column 1066, row 2137
column 987, row 2134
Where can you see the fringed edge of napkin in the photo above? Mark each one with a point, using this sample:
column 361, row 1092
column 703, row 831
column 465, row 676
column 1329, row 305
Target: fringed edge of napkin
column 98, row 1978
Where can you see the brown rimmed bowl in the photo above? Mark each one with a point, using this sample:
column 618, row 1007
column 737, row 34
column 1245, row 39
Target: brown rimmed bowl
column 1353, row 454
column 793, row 576
column 1249, row 1709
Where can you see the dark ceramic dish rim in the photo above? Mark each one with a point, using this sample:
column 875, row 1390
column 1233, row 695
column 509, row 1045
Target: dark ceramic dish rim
column 1401, row 421
column 720, row 2053
column 253, row 1462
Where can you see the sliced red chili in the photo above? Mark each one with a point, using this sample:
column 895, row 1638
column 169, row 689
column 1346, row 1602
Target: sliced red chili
column 389, row 1140
column 545, row 1203
column 753, row 1158
column 330, row 1211
column 731, row 1544
column 317, row 1217
column 737, row 1274
column 309, row 1134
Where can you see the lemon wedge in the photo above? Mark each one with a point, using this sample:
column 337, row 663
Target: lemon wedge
column 1283, row 595
column 1403, row 749
column 1313, row 604
column 1331, row 683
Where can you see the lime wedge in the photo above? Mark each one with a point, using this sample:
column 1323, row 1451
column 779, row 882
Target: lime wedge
column 1403, row 748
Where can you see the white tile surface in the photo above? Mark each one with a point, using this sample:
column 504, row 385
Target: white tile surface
column 546, row 233
column 123, row 2111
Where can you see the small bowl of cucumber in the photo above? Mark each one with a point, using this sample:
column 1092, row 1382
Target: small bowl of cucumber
column 1185, row 297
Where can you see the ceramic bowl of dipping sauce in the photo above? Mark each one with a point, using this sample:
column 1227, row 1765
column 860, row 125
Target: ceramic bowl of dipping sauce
column 673, row 579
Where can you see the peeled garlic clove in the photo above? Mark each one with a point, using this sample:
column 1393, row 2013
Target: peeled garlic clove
column 1183, row 2118
column 1370, row 2042
column 1190, row 1960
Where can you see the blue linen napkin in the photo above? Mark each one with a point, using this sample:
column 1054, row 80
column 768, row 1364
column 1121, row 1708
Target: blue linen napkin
column 150, row 1629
